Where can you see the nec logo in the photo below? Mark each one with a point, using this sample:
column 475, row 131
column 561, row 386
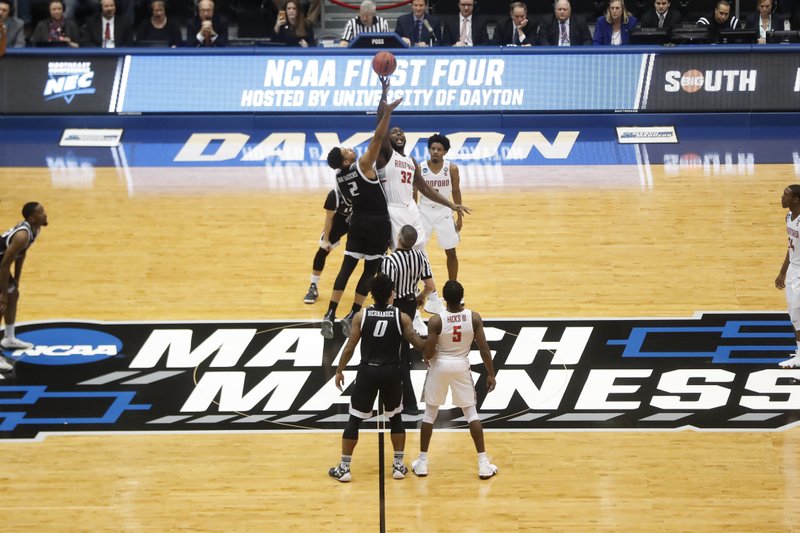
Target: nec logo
column 68, row 79
column 710, row 81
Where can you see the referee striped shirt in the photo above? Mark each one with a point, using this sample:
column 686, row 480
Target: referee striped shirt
column 406, row 268
column 354, row 27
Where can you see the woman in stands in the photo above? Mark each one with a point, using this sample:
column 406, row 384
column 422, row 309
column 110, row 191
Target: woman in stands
column 615, row 26
column 292, row 28
column 765, row 20
column 57, row 30
column 159, row 30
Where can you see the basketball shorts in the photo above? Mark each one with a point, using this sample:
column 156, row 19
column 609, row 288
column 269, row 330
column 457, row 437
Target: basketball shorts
column 370, row 380
column 793, row 295
column 439, row 219
column 338, row 230
column 368, row 236
column 406, row 214
column 454, row 374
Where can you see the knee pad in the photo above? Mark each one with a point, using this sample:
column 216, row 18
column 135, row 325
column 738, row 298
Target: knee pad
column 396, row 424
column 470, row 413
column 430, row 413
column 351, row 430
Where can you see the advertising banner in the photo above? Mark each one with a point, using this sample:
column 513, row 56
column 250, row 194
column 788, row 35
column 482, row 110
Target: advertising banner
column 57, row 85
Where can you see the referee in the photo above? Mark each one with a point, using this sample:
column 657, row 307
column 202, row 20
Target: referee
column 365, row 22
column 406, row 267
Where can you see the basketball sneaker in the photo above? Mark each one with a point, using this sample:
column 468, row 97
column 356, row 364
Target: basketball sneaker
column 399, row 470
column 794, row 362
column 347, row 323
column 13, row 343
column 340, row 473
column 311, row 295
column 420, row 467
column 486, row 470
column 5, row 366
column 327, row 326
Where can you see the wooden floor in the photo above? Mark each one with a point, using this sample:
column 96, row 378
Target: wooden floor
column 690, row 242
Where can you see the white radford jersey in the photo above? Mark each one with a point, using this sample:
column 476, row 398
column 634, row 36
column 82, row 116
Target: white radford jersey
column 456, row 338
column 439, row 182
column 793, row 231
column 397, row 178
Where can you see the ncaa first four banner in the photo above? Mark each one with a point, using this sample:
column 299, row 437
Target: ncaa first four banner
column 483, row 81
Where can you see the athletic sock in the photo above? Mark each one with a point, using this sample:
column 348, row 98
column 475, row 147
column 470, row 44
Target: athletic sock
column 423, row 456
column 346, row 461
column 9, row 331
column 482, row 458
column 314, row 279
column 398, row 458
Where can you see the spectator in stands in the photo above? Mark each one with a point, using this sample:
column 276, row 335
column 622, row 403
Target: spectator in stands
column 518, row 30
column 721, row 20
column 311, row 9
column 765, row 20
column 466, row 28
column 106, row 29
column 158, row 29
column 614, row 27
column 563, row 28
column 419, row 28
column 292, row 28
column 365, row 22
column 14, row 27
column 661, row 16
column 57, row 28
column 207, row 29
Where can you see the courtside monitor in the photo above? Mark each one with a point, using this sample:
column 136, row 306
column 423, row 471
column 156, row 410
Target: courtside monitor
column 692, row 35
column 778, row 37
column 737, row 36
column 378, row 40
column 651, row 36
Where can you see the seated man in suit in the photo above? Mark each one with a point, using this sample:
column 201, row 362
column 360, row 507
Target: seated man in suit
column 207, row 29
column 661, row 16
column 14, row 27
column 721, row 20
column 467, row 29
column 418, row 28
column 518, row 30
column 106, row 29
column 563, row 29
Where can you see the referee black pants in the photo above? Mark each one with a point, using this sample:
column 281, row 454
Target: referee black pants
column 407, row 305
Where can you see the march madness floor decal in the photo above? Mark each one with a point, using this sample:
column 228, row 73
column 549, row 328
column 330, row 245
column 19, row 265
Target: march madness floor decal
column 709, row 372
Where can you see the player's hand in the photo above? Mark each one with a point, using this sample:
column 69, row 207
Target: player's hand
column 490, row 383
column 326, row 245
column 406, row 40
column 339, row 380
column 3, row 302
column 384, row 85
column 462, row 209
column 394, row 104
column 459, row 223
column 780, row 281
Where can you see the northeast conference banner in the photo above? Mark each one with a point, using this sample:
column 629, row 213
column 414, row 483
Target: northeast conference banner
column 683, row 81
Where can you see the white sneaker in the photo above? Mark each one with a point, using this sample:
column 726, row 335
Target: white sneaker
column 5, row 366
column 13, row 343
column 486, row 470
column 794, row 362
column 433, row 304
column 420, row 467
column 420, row 326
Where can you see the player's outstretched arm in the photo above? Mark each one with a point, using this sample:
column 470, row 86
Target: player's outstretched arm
column 455, row 182
column 483, row 346
column 367, row 161
column 433, row 194
column 409, row 333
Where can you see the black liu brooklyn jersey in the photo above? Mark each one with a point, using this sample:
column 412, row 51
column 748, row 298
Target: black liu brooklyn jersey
column 381, row 335
column 365, row 195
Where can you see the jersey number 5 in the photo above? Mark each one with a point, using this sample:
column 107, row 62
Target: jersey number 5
column 456, row 333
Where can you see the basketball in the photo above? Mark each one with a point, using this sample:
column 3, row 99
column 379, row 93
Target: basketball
column 384, row 63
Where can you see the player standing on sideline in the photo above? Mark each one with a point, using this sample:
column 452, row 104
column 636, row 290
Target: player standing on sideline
column 400, row 174
column 442, row 176
column 14, row 244
column 370, row 228
column 381, row 329
column 337, row 220
column 450, row 336
column 789, row 276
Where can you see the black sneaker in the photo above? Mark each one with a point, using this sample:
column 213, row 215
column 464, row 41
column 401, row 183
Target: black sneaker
column 399, row 471
column 311, row 295
column 327, row 326
column 347, row 324
column 340, row 473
